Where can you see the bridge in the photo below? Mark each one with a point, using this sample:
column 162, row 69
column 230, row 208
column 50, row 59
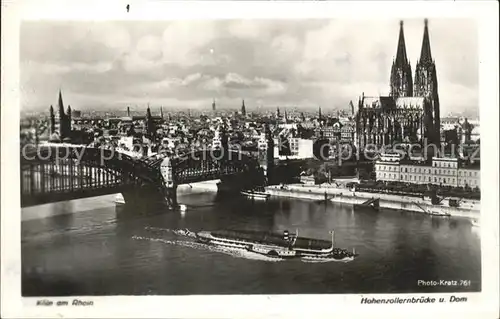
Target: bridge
column 58, row 173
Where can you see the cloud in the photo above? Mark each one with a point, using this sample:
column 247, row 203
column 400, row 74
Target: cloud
column 282, row 62
column 181, row 41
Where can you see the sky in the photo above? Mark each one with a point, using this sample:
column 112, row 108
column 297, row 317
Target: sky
column 269, row 63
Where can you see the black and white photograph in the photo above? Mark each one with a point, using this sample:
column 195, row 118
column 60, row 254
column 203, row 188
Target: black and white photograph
column 312, row 156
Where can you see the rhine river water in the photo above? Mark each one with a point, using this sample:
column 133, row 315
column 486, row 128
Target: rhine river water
column 92, row 247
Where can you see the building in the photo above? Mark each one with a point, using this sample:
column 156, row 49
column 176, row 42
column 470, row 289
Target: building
column 442, row 171
column 411, row 112
column 243, row 109
column 300, row 148
column 150, row 124
column 61, row 124
column 469, row 176
column 75, row 114
column 337, row 132
column 387, row 168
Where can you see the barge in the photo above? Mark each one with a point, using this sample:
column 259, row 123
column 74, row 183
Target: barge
column 438, row 213
column 283, row 245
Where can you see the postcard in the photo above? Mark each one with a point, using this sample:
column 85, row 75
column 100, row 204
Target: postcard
column 249, row 159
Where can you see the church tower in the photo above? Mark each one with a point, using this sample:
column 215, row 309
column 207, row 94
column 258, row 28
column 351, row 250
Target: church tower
column 401, row 78
column 52, row 120
column 69, row 126
column 426, row 86
column 150, row 125
column 243, row 109
column 62, row 118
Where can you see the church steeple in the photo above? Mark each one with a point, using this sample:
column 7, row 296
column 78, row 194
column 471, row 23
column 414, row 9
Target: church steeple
column 60, row 105
column 243, row 109
column 401, row 78
column 62, row 117
column 426, row 86
column 425, row 53
column 150, row 125
column 401, row 58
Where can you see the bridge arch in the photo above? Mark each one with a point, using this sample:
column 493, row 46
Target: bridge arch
column 210, row 164
column 53, row 173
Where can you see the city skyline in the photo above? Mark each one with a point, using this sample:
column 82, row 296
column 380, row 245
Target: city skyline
column 130, row 63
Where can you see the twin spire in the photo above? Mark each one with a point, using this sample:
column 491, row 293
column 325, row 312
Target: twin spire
column 425, row 53
column 401, row 74
column 401, row 58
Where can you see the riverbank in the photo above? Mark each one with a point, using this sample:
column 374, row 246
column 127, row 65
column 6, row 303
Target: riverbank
column 468, row 208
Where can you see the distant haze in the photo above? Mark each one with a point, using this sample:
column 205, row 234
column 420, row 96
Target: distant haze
column 301, row 63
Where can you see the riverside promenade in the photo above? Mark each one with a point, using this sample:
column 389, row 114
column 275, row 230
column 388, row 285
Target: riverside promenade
column 468, row 208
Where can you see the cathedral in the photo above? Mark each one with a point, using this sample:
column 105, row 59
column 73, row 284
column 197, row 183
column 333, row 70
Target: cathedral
column 410, row 114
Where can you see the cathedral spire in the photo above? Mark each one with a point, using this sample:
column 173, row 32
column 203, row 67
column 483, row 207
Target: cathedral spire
column 401, row 78
column 425, row 54
column 401, row 57
column 426, row 86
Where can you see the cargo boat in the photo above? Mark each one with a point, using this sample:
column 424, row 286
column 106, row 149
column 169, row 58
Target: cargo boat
column 284, row 245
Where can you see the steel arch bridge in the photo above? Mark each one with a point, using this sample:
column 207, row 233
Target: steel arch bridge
column 58, row 173
column 209, row 164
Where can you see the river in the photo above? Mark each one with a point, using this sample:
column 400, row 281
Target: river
column 93, row 247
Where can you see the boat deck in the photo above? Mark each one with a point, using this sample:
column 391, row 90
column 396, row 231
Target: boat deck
column 272, row 239
column 313, row 244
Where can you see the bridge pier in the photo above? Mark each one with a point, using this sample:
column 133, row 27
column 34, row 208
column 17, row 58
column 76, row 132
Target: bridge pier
column 170, row 197
column 169, row 186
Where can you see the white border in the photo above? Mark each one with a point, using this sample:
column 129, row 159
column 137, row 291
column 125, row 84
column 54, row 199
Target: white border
column 481, row 305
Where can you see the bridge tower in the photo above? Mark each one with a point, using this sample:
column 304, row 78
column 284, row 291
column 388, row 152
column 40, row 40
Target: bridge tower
column 170, row 187
column 266, row 152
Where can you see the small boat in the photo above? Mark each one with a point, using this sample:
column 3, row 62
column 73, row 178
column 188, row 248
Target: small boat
column 475, row 223
column 256, row 195
column 373, row 204
column 119, row 199
column 438, row 213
